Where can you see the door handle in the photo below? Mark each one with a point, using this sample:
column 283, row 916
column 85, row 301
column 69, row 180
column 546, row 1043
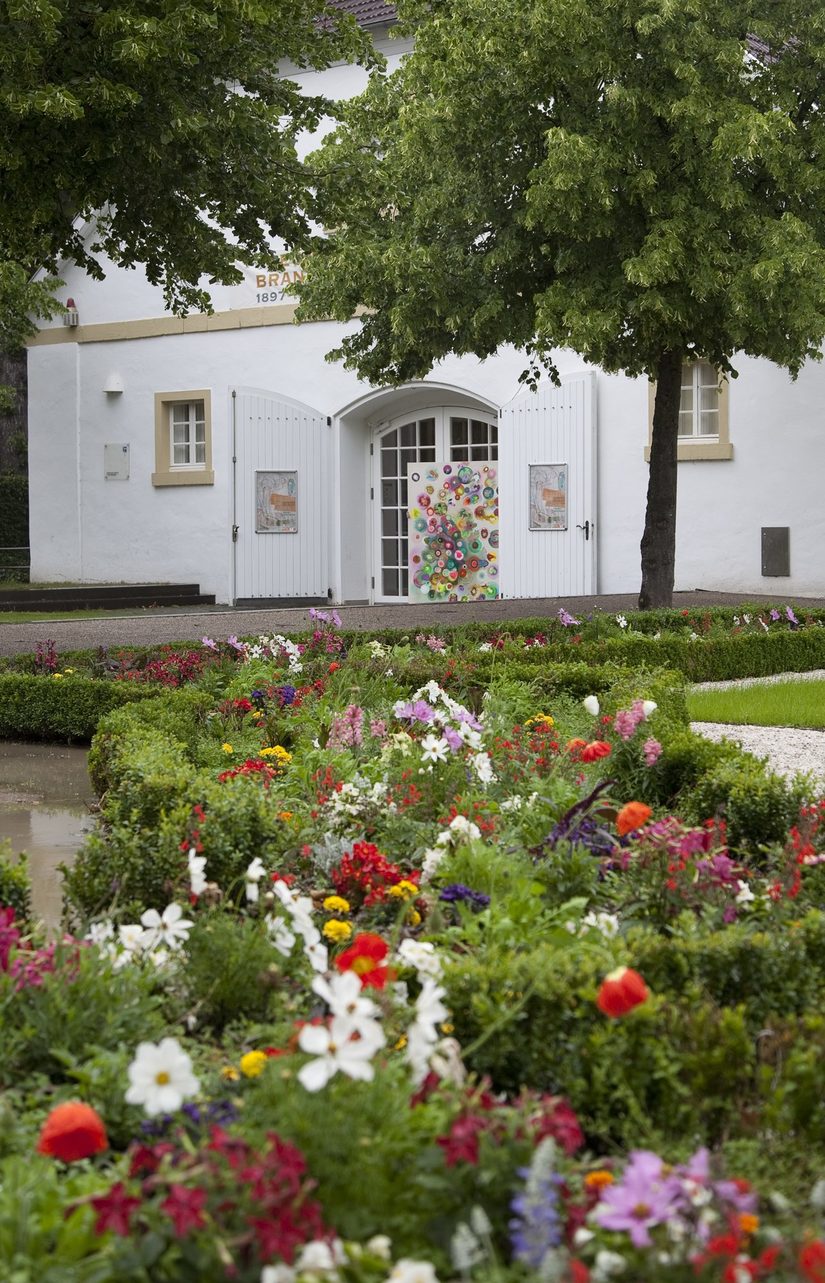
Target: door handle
column 585, row 528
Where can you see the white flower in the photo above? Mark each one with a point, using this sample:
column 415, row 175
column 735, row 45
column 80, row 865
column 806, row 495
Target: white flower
column 277, row 1274
column 336, row 1049
column 253, row 875
column 317, row 955
column 343, row 995
column 430, row 863
column 161, row 1077
column 130, row 936
column 608, row 1264
column 485, row 646
column 422, row 955
column 447, row 1063
column 591, row 705
column 422, row 1034
column 434, row 749
column 281, row 936
column 406, row 1271
column 607, row 923
column 621, row 621
column 100, row 933
column 320, row 1259
column 380, row 1245
column 649, row 707
column 744, row 895
column 169, row 928
column 197, row 872
column 465, row 1250
column 483, row 768
column 464, row 829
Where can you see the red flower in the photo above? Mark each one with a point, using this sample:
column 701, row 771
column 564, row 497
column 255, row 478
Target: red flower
column 579, row 1273
column 461, row 1145
column 72, row 1131
column 557, row 1119
column 621, row 991
column 812, row 1261
column 114, row 1210
column 185, row 1209
column 598, row 748
column 365, row 956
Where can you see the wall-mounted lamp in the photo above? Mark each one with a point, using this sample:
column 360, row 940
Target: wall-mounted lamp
column 113, row 385
column 70, row 316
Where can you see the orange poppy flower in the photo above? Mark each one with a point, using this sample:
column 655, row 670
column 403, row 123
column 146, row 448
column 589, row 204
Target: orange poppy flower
column 621, row 991
column 632, row 816
column 598, row 748
column 72, row 1131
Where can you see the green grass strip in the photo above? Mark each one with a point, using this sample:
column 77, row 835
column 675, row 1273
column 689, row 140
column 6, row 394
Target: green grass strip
column 780, row 704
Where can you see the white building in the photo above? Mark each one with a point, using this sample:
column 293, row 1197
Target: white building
column 224, row 449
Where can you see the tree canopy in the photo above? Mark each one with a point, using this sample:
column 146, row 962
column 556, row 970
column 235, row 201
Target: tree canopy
column 642, row 181
column 169, row 121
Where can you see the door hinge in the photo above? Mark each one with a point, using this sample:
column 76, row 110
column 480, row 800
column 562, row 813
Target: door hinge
column 372, row 493
column 234, row 534
column 329, row 594
column 373, row 581
column 372, row 449
column 329, row 421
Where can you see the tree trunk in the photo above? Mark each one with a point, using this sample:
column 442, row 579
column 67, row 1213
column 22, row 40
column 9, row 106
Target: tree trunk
column 659, row 538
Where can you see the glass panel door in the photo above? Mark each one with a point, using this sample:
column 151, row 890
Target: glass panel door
column 434, row 435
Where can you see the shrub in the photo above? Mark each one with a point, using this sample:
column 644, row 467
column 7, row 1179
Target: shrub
column 64, row 709
column 757, row 805
column 15, row 884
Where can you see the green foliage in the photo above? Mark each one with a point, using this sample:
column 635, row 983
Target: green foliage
column 232, row 972
column 15, row 884
column 757, row 805
column 14, row 511
column 82, row 1004
column 154, row 113
column 66, row 708
column 41, row 1240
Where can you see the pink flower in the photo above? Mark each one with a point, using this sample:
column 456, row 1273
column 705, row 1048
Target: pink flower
column 652, row 751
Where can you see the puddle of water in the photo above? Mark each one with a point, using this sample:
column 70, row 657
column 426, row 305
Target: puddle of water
column 45, row 794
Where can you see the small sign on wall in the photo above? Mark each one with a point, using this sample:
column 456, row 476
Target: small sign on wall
column 116, row 462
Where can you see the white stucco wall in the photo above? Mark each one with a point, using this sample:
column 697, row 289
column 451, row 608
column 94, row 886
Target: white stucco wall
column 84, row 527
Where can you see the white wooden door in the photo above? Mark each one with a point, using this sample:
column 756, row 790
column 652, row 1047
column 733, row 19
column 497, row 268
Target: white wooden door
column 282, row 498
column 554, row 427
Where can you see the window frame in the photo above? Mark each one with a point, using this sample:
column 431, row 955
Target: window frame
column 167, row 472
column 697, row 447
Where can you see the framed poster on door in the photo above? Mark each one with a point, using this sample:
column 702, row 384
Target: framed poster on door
column 276, row 503
column 548, row 496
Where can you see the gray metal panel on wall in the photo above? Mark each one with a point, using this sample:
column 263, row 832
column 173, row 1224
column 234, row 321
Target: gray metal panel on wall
column 275, row 434
column 554, row 425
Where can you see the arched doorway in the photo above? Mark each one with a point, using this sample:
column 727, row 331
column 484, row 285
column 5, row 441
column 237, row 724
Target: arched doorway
column 457, row 432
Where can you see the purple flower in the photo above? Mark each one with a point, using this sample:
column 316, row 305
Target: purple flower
column 791, row 617
column 286, row 695
column 207, row 641
column 645, row 1196
column 235, row 644
column 567, row 619
column 775, row 615
column 536, row 1227
column 453, row 739
column 456, row 892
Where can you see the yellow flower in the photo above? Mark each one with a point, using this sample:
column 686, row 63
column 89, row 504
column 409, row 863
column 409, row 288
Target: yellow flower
column 404, row 890
column 278, row 752
column 56, row 676
column 447, row 1028
column 336, row 904
column 598, row 1179
column 414, row 918
column 748, row 1223
column 230, row 1074
column 401, row 1044
column 227, row 748
column 543, row 719
column 66, row 671
column 337, row 931
column 252, row 1064
column 284, row 815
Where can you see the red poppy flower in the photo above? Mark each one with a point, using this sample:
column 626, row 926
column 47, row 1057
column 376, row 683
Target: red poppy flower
column 72, row 1131
column 365, row 957
column 598, row 748
column 621, row 991
column 812, row 1261
column 632, row 816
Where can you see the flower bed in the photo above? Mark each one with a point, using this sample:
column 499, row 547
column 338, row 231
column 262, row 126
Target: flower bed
column 377, row 970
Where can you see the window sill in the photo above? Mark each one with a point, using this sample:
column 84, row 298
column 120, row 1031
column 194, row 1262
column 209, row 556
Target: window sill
column 696, row 450
column 195, row 477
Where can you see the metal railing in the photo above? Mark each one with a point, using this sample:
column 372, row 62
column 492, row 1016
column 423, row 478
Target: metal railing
column 13, row 565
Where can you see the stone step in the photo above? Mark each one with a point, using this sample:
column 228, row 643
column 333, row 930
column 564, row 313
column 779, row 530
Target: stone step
column 104, row 597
